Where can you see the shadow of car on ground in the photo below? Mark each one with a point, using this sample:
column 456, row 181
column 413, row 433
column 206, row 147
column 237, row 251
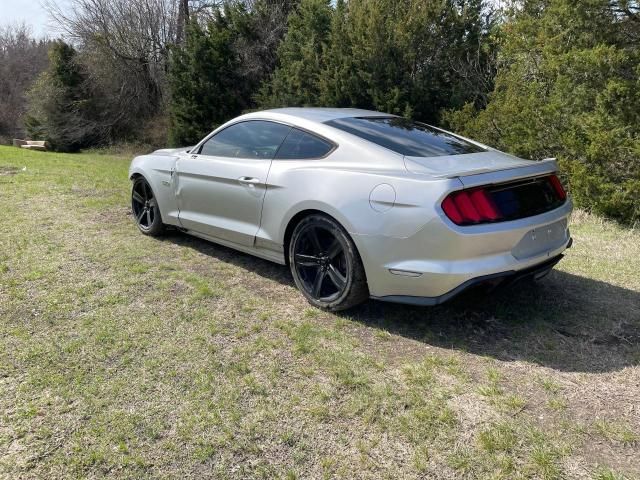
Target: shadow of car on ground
column 565, row 321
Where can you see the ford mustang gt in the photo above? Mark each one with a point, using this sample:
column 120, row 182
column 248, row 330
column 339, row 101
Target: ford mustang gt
column 359, row 204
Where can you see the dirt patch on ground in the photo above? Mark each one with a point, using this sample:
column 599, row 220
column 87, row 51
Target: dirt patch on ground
column 7, row 170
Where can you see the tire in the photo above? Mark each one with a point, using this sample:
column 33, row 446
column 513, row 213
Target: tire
column 325, row 264
column 144, row 207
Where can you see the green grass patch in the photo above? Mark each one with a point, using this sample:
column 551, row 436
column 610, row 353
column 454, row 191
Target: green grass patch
column 126, row 356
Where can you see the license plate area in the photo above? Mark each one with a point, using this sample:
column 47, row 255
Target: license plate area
column 543, row 239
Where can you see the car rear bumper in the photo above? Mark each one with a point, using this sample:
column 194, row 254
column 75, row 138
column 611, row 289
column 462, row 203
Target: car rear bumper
column 440, row 260
column 493, row 280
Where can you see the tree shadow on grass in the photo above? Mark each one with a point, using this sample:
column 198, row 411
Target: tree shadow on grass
column 565, row 321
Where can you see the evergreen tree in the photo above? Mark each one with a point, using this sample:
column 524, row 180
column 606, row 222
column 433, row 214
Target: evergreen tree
column 567, row 87
column 398, row 56
column 206, row 89
column 296, row 80
column 62, row 108
column 340, row 83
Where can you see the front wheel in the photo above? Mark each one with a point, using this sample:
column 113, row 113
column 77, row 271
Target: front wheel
column 144, row 207
column 325, row 264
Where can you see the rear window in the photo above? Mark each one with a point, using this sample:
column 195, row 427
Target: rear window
column 302, row 145
column 405, row 136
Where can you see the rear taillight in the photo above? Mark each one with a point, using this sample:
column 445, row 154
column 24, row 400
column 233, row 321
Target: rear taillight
column 470, row 206
column 478, row 205
column 557, row 186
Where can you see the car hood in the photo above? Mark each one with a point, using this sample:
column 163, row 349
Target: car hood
column 467, row 164
column 171, row 151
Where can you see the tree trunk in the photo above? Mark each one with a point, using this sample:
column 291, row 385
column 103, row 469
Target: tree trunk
column 183, row 19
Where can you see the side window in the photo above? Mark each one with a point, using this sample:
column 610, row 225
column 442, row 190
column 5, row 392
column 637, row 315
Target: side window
column 301, row 145
column 251, row 139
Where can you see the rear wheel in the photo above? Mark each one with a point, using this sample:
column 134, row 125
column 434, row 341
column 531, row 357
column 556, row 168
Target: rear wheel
column 145, row 208
column 325, row 264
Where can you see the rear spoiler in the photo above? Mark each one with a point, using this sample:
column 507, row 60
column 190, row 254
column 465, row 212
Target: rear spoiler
column 486, row 177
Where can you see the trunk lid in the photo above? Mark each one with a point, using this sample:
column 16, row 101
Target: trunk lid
column 472, row 164
column 517, row 190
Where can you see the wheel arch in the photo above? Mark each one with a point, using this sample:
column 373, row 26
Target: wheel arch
column 157, row 170
column 135, row 175
column 349, row 294
column 302, row 214
column 291, row 225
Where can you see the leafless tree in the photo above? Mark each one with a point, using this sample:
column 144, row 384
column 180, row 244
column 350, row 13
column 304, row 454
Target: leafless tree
column 131, row 37
column 126, row 43
column 22, row 58
column 183, row 19
column 125, row 47
column 628, row 8
column 258, row 48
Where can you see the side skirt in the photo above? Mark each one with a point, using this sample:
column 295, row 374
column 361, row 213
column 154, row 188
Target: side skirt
column 258, row 252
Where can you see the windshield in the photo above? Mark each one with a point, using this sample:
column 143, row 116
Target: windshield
column 405, row 136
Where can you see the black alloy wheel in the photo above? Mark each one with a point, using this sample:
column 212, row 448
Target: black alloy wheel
column 325, row 264
column 145, row 208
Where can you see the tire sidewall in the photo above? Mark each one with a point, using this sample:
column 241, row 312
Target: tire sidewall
column 156, row 225
column 351, row 256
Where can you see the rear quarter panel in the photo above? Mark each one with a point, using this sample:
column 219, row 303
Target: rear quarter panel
column 341, row 186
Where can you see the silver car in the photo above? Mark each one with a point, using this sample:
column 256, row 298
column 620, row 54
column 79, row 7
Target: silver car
column 359, row 204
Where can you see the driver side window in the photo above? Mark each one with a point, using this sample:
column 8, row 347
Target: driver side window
column 256, row 139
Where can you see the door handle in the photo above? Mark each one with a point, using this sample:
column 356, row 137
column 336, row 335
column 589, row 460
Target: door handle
column 249, row 180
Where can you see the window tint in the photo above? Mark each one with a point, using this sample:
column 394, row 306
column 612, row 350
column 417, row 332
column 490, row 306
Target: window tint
column 252, row 139
column 301, row 145
column 405, row 136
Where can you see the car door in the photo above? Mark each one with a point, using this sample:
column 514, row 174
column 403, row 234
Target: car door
column 220, row 186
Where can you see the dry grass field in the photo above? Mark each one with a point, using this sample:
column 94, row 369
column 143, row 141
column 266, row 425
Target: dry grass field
column 131, row 357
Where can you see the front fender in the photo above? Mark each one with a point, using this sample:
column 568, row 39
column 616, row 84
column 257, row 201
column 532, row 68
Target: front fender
column 158, row 171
